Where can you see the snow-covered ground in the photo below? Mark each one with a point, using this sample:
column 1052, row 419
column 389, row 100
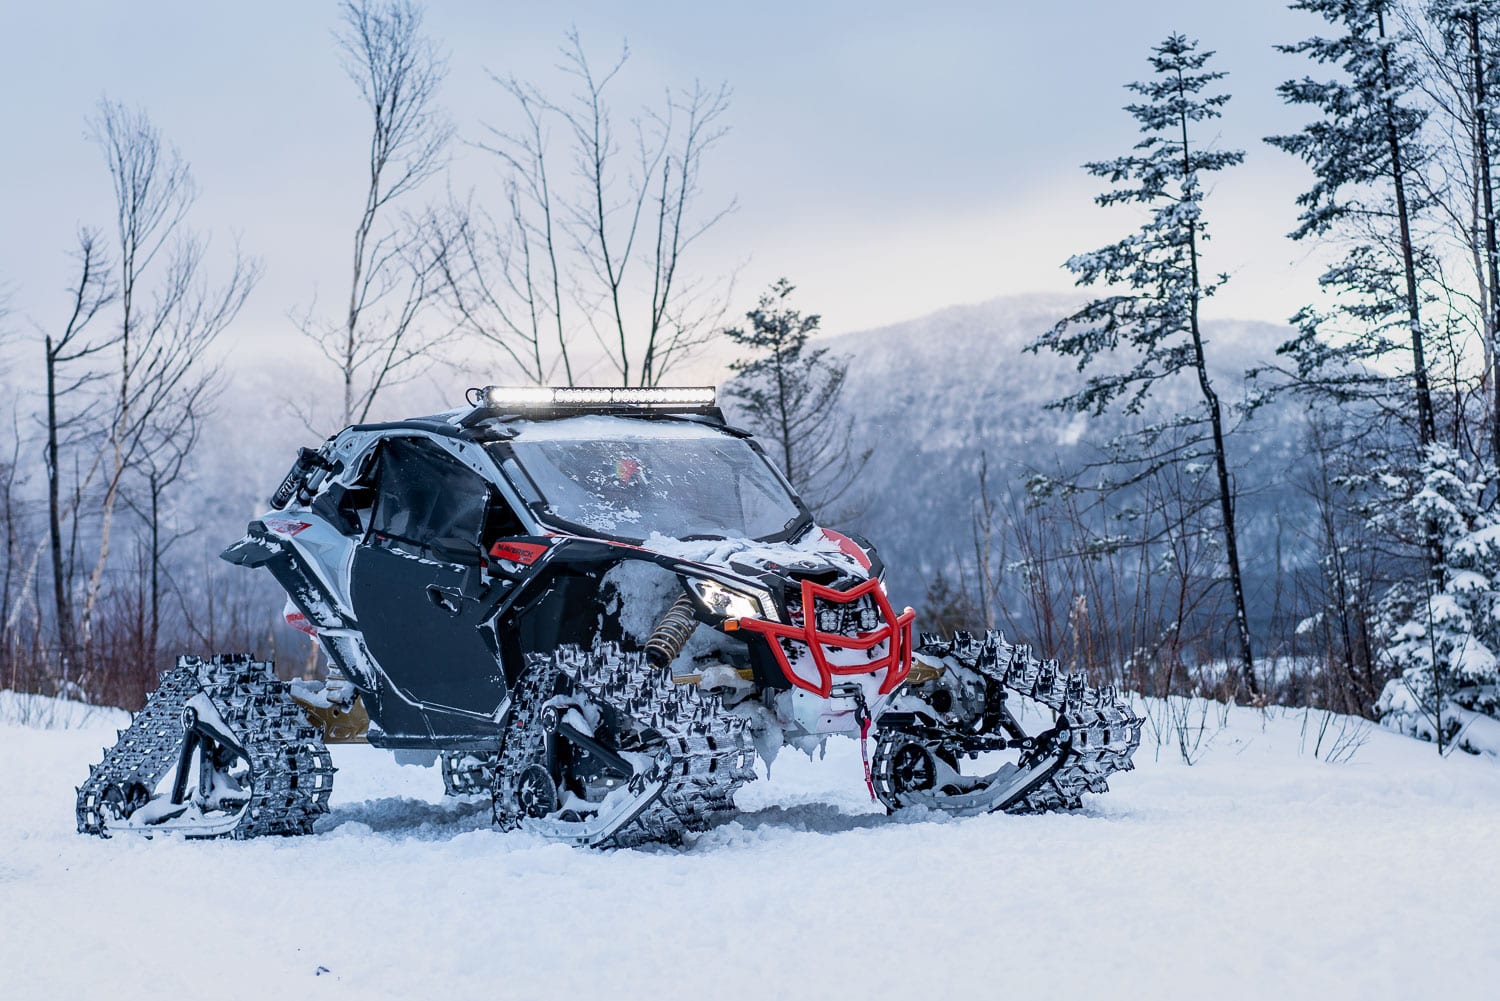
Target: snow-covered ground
column 1259, row 872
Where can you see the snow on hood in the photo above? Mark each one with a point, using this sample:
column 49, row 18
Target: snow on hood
column 815, row 550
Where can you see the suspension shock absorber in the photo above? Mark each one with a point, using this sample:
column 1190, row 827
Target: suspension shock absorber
column 671, row 633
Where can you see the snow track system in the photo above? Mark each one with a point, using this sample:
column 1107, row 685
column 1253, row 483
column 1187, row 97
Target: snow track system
column 958, row 711
column 242, row 757
column 603, row 748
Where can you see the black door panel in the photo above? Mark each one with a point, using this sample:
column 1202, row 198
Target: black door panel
column 423, row 605
column 425, row 626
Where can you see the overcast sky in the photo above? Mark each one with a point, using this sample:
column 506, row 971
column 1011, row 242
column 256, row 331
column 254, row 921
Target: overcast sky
column 889, row 158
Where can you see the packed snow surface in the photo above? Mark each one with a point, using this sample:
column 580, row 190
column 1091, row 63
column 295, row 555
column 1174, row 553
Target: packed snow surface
column 1260, row 871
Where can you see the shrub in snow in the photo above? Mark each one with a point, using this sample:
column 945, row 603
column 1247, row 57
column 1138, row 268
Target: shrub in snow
column 1443, row 633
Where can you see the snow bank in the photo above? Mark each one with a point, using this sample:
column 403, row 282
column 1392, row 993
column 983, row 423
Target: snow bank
column 46, row 713
column 1261, row 871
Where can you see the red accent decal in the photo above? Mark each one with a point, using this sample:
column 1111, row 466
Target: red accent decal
column 896, row 633
column 603, row 542
column 849, row 547
column 299, row 622
column 287, row 526
column 525, row 553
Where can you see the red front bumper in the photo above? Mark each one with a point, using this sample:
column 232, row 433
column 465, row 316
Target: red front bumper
column 895, row 633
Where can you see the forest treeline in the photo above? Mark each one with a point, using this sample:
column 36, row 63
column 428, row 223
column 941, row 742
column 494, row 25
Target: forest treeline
column 1132, row 562
column 579, row 265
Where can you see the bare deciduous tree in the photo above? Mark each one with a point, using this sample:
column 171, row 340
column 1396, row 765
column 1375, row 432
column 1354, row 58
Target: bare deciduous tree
column 502, row 278
column 379, row 342
column 171, row 313
column 597, row 231
column 1454, row 42
column 10, row 514
column 164, row 464
column 93, row 291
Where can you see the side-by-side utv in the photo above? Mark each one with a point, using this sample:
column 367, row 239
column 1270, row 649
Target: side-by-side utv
column 596, row 606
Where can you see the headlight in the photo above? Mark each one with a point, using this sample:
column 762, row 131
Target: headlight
column 732, row 603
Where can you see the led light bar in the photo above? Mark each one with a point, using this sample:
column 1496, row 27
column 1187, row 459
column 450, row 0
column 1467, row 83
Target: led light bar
column 543, row 397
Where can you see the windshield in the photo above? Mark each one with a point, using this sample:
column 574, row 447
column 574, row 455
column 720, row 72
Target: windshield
column 633, row 478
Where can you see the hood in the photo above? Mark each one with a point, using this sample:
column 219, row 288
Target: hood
column 821, row 554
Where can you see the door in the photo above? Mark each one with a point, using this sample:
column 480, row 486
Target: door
column 417, row 585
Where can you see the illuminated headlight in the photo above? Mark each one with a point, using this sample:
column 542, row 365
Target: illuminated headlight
column 534, row 397
column 731, row 603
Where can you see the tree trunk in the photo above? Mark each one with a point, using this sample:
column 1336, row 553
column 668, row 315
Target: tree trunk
column 96, row 576
column 1492, row 258
column 62, row 602
column 155, row 622
column 783, row 412
column 1426, row 423
column 1221, row 462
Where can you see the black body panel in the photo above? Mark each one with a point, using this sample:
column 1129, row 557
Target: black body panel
column 424, row 622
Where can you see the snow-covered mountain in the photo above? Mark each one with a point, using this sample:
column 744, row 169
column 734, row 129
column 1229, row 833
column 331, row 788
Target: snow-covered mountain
column 936, row 396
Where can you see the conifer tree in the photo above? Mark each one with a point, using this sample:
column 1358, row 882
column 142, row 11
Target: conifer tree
column 1147, row 331
column 1366, row 151
column 1444, row 643
column 1363, row 149
column 788, row 392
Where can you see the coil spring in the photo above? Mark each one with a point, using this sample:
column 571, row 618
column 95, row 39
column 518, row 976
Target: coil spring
column 671, row 633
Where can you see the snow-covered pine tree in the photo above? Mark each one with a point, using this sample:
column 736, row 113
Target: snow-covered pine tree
column 788, row 392
column 1146, row 330
column 1371, row 348
column 1444, row 641
column 1363, row 149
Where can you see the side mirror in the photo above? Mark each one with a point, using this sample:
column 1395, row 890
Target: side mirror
column 461, row 551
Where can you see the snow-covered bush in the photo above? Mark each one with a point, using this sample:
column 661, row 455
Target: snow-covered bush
column 1443, row 634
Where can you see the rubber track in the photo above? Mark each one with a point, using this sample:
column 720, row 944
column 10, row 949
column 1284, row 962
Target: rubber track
column 708, row 753
column 468, row 773
column 1102, row 730
column 291, row 771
